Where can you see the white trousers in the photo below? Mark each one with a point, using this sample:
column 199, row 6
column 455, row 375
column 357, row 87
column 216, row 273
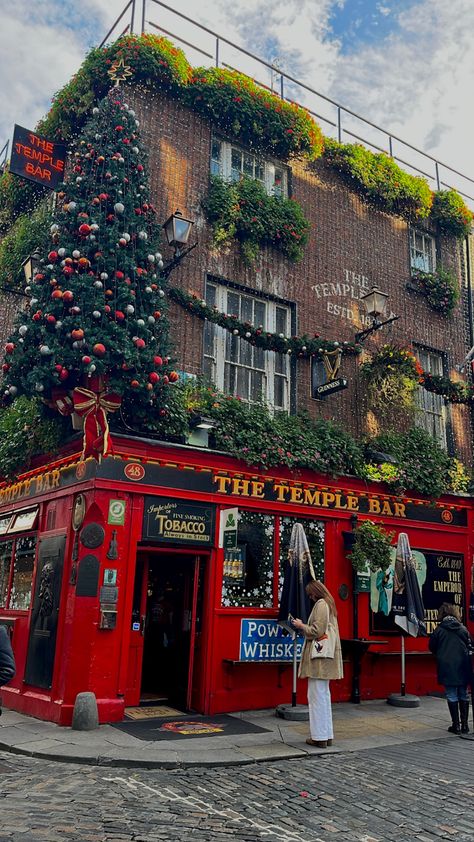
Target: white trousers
column 320, row 713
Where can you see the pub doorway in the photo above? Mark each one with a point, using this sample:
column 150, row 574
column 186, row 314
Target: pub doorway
column 165, row 650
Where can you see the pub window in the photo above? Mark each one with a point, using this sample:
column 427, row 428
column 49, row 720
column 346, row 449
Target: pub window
column 422, row 251
column 432, row 415
column 314, row 530
column 23, row 564
column 6, row 552
column 231, row 163
column 233, row 364
column 249, row 568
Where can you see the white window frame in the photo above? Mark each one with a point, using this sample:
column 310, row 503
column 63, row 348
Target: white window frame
column 422, row 251
column 221, row 165
column 223, row 353
column 433, row 411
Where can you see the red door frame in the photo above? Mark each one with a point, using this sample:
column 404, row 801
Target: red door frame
column 145, row 550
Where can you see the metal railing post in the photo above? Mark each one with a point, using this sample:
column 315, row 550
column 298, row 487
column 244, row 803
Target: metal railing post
column 390, row 145
column 143, row 15
column 282, row 92
column 217, row 52
column 339, row 124
column 132, row 21
column 438, row 181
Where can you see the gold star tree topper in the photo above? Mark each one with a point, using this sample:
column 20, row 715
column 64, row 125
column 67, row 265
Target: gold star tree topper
column 119, row 71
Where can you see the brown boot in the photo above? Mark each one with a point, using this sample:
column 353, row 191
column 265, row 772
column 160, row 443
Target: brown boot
column 317, row 743
column 330, row 743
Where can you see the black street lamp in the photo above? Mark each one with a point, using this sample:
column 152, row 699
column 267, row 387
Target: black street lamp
column 375, row 303
column 30, row 264
column 177, row 229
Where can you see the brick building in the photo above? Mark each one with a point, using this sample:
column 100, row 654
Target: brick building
column 141, row 612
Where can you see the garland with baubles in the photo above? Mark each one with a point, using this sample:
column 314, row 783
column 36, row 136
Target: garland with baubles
column 299, row 346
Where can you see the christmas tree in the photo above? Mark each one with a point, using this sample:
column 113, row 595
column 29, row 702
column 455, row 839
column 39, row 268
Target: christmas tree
column 94, row 338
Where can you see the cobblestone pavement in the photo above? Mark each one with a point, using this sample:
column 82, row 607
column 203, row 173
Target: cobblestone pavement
column 423, row 791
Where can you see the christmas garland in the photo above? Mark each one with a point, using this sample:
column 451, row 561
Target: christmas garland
column 300, row 346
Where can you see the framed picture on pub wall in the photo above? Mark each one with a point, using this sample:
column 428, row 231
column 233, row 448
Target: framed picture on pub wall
column 441, row 579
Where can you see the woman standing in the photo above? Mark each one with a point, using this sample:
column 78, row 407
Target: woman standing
column 320, row 671
column 451, row 645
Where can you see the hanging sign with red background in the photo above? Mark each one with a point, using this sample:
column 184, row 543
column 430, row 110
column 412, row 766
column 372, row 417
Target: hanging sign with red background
column 37, row 158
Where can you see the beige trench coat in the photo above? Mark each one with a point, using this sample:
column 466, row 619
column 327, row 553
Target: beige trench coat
column 327, row 668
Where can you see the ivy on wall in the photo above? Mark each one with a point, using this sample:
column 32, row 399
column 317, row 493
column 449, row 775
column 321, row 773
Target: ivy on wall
column 244, row 210
column 28, row 233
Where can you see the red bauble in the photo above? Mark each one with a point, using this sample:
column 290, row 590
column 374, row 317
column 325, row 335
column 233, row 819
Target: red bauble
column 100, row 159
column 119, row 128
column 5, row 368
column 158, row 360
column 103, row 197
column 58, row 368
column 99, row 350
column 39, row 277
column 53, row 256
column 119, row 315
column 107, row 309
column 9, row 348
column 68, row 271
column 153, row 377
column 140, row 343
column 68, row 296
column 64, row 374
column 51, row 319
column 84, row 229
column 166, row 379
column 77, row 334
column 86, row 360
column 134, row 384
column 68, row 261
column 157, row 314
column 96, row 201
column 163, row 412
column 174, row 376
column 119, row 275
column 140, row 168
column 77, row 168
column 37, row 316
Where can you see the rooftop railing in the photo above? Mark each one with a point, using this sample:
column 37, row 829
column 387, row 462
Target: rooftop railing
column 203, row 46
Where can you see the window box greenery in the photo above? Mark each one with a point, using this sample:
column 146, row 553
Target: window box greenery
column 245, row 211
column 440, row 288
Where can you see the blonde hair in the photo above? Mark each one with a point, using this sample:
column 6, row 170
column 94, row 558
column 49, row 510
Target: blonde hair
column 316, row 590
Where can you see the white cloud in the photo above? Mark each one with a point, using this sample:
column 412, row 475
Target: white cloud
column 414, row 82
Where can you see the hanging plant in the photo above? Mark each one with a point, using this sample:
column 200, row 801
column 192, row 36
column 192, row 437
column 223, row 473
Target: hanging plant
column 392, row 377
column 27, row 429
column 371, row 547
column 245, row 211
column 452, row 215
column 440, row 288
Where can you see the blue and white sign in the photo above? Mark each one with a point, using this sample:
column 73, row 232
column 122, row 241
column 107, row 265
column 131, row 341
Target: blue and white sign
column 265, row 640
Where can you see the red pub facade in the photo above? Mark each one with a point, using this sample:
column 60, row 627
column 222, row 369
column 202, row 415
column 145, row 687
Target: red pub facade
column 121, row 578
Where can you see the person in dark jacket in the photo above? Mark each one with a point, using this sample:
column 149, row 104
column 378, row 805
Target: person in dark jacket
column 7, row 660
column 451, row 645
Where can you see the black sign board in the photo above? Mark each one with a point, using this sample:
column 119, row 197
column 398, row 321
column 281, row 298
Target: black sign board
column 88, row 576
column 37, row 158
column 331, row 386
column 175, row 522
column 441, row 578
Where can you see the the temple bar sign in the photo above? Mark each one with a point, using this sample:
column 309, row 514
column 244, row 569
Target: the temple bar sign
column 37, row 158
column 178, row 523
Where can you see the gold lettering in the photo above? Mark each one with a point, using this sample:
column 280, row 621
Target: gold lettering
column 386, row 508
column 399, row 509
column 55, row 477
column 222, row 483
column 258, row 489
column 339, row 503
column 327, row 498
column 39, row 483
column 311, row 498
column 240, row 486
column 352, row 503
column 296, row 494
column 374, row 506
column 281, row 490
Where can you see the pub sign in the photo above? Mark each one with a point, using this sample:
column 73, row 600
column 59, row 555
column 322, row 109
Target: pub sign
column 176, row 522
column 37, row 158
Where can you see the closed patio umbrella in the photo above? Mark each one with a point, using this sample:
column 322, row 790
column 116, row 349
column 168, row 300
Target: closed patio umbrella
column 299, row 571
column 408, row 611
